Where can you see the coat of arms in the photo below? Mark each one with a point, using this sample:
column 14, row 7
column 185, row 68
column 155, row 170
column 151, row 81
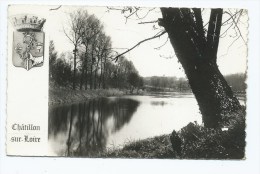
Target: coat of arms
column 28, row 43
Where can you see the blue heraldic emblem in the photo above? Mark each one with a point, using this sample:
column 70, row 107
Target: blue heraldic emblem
column 28, row 42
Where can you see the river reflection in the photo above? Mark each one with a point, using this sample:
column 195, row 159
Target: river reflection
column 82, row 129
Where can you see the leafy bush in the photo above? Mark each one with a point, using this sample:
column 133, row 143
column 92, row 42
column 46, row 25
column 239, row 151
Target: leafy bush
column 200, row 142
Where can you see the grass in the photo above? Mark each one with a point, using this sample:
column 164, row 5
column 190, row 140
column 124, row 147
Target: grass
column 156, row 147
column 61, row 96
column 194, row 141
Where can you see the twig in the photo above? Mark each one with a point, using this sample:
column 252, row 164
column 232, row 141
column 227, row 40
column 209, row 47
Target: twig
column 167, row 57
column 230, row 46
column 127, row 17
column 67, row 35
column 157, row 48
column 145, row 14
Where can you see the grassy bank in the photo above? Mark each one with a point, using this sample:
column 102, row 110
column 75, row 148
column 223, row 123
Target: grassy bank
column 156, row 147
column 191, row 142
column 61, row 96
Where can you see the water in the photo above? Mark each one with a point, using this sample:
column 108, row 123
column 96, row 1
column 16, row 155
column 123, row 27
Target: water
column 85, row 129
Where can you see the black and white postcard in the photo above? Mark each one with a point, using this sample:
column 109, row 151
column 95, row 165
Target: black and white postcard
column 127, row 82
column 129, row 87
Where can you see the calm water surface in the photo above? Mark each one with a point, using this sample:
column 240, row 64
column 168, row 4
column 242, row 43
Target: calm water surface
column 86, row 128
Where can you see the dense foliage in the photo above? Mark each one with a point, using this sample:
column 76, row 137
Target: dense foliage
column 90, row 64
column 237, row 82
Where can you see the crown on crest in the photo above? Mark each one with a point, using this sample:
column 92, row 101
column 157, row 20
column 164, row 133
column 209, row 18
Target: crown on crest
column 28, row 22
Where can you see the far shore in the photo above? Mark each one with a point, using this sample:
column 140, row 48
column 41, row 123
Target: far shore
column 68, row 96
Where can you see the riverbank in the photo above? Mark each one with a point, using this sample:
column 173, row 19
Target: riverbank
column 65, row 96
column 191, row 142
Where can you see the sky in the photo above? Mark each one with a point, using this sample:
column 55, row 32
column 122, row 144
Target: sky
column 147, row 60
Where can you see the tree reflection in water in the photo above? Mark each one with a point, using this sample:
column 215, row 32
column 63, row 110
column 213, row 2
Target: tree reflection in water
column 83, row 127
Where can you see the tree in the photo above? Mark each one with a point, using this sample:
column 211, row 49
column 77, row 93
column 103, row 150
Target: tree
column 104, row 51
column 76, row 26
column 60, row 70
column 91, row 29
column 140, row 83
column 61, row 73
column 100, row 50
column 52, row 58
column 92, row 65
column 196, row 50
column 83, row 68
column 133, row 80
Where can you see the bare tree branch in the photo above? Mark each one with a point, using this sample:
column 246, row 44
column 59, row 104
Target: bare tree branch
column 145, row 14
column 235, row 22
column 230, row 46
column 225, row 32
column 167, row 57
column 236, row 29
column 132, row 11
column 231, row 17
column 113, row 8
column 223, row 23
column 150, row 38
column 67, row 35
column 149, row 22
column 55, row 8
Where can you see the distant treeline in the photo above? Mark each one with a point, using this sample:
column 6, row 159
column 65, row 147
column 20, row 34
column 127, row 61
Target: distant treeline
column 90, row 64
column 159, row 83
column 236, row 81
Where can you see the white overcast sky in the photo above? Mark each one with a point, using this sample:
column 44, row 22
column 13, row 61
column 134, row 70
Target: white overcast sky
column 147, row 60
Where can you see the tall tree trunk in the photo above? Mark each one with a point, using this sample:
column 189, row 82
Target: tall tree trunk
column 198, row 54
column 101, row 75
column 91, row 69
column 96, row 78
column 74, row 71
column 86, row 67
column 82, row 78
column 104, row 74
column 86, row 80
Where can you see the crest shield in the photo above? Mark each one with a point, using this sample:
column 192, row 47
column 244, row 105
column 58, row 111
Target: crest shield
column 28, row 49
column 28, row 42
